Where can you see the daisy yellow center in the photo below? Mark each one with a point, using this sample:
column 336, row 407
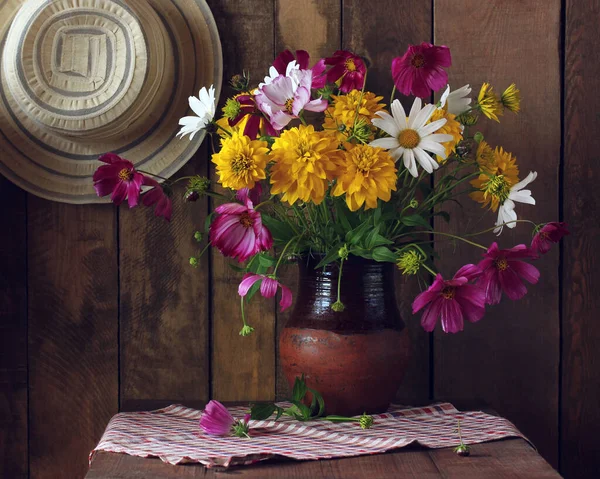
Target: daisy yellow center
column 245, row 220
column 289, row 103
column 498, row 187
column 418, row 61
column 448, row 292
column 125, row 174
column 350, row 65
column 240, row 164
column 501, row 264
column 409, row 139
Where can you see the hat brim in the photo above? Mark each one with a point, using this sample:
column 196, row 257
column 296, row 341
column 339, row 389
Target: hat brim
column 60, row 167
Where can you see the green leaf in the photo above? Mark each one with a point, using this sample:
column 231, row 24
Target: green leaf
column 317, row 399
column 266, row 260
column 280, row 411
column 208, row 221
column 304, row 410
column 281, row 231
column 384, row 255
column 262, row 411
column 329, row 257
column 236, row 268
column 415, row 220
column 356, row 235
column 299, row 390
column 370, row 237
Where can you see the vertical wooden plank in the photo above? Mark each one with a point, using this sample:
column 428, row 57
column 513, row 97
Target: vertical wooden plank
column 580, row 416
column 73, row 346
column 164, row 301
column 510, row 358
column 313, row 26
column 13, row 331
column 381, row 33
column 243, row 368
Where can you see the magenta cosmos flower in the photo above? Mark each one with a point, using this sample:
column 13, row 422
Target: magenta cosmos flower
column 238, row 232
column 552, row 232
column 157, row 196
column 268, row 288
column 302, row 60
column 285, row 97
column 420, row 69
column 119, row 179
column 216, row 420
column 346, row 68
column 452, row 301
column 502, row 270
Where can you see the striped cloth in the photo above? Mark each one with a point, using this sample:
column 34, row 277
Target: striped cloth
column 173, row 435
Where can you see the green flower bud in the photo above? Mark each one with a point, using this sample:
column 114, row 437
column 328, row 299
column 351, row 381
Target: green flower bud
column 462, row 450
column 468, row 119
column 194, row 261
column 232, row 108
column 343, row 252
column 410, row 262
column 338, row 306
column 246, row 330
column 413, row 204
column 478, row 137
column 197, row 186
column 365, row 421
column 198, row 236
column 240, row 82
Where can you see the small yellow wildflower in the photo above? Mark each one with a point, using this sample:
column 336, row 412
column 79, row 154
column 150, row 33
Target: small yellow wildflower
column 305, row 162
column 451, row 127
column 488, row 102
column 341, row 115
column 241, row 161
column 370, row 174
column 511, row 98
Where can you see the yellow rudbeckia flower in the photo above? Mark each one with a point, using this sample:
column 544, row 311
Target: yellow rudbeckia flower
column 496, row 178
column 488, row 102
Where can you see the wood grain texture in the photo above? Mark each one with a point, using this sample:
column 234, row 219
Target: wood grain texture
column 73, row 342
column 512, row 458
column 380, row 34
column 13, row 331
column 510, row 359
column 164, row 301
column 313, row 26
column 242, row 367
column 580, row 418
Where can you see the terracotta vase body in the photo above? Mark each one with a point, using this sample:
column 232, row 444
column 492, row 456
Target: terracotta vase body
column 355, row 358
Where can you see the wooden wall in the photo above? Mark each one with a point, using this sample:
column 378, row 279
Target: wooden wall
column 100, row 312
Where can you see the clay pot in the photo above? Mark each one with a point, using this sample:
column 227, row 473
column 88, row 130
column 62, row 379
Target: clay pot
column 355, row 358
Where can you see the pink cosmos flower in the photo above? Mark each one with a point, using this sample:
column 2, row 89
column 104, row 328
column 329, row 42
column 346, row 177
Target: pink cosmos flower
column 551, row 233
column 503, row 270
column 216, row 420
column 158, row 196
column 238, row 232
column 119, row 179
column 420, row 70
column 347, row 68
column 253, row 194
column 302, row 60
column 452, row 301
column 286, row 96
column 268, row 288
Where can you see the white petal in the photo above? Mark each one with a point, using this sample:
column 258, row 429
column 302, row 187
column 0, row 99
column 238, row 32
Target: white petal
column 409, row 163
column 523, row 196
column 423, row 117
column 445, row 96
column 399, row 114
column 439, row 137
column 433, row 147
column 414, row 111
column 387, row 124
column 431, row 127
column 397, row 153
column 385, row 143
column 197, row 106
column 523, row 183
column 425, row 160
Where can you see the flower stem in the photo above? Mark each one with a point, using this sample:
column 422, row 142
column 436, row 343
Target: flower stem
column 219, row 127
column 153, row 174
column 503, row 224
column 339, row 285
column 297, row 238
column 393, row 94
column 443, row 234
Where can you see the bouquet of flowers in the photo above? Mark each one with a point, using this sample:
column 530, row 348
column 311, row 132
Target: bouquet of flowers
column 310, row 162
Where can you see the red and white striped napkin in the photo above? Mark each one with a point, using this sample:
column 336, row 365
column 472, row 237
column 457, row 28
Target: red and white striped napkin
column 173, row 434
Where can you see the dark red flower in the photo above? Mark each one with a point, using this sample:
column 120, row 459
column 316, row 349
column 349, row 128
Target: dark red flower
column 346, row 68
column 419, row 70
column 248, row 108
column 119, row 179
column 503, row 270
column 551, row 233
column 302, row 58
column 158, row 196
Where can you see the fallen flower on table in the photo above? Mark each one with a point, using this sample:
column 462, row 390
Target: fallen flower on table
column 216, row 420
column 462, row 449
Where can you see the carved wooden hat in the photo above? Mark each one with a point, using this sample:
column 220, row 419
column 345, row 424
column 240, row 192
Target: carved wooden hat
column 79, row 78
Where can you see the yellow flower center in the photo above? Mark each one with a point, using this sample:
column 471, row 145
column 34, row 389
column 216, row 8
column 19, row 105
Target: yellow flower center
column 448, row 292
column 418, row 61
column 305, row 151
column 126, row 174
column 409, row 139
column 364, row 161
column 240, row 163
column 245, row 220
column 289, row 103
column 501, row 264
column 350, row 65
column 498, row 187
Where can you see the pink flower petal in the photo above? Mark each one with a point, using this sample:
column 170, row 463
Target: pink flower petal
column 431, row 314
column 429, row 295
column 247, row 281
column 286, row 298
column 268, row 288
column 216, row 419
column 451, row 316
column 119, row 193
column 511, row 284
column 231, row 209
column 526, row 271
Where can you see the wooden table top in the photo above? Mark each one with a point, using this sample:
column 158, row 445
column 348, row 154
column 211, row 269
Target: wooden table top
column 513, row 458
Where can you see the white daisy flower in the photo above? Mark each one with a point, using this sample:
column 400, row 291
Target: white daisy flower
column 458, row 101
column 411, row 138
column 506, row 211
column 204, row 107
